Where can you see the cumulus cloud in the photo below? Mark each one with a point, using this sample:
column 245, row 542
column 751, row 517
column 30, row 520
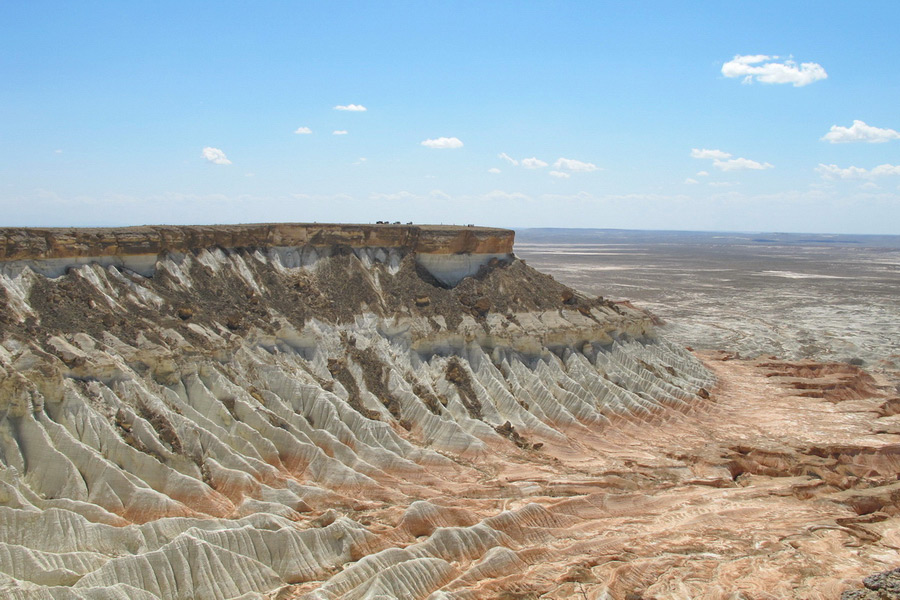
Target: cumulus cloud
column 702, row 173
column 443, row 142
column 718, row 154
column 559, row 174
column 723, row 161
column 741, row 164
column 691, row 181
column 339, row 132
column 533, row 163
column 303, row 130
column 836, row 172
column 494, row 170
column 215, row 156
column 351, row 107
column 860, row 132
column 509, row 159
column 574, row 165
column 767, row 69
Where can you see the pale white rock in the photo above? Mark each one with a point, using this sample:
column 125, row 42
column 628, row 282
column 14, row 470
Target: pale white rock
column 184, row 459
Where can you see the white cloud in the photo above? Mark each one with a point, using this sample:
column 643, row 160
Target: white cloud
column 443, row 143
column 722, row 183
column 885, row 170
column 574, row 165
column 723, row 161
column 501, row 195
column 339, row 132
column 533, row 163
column 216, row 156
column 691, row 181
column 494, row 170
column 702, row 173
column 870, row 185
column 836, row 172
column 717, row 154
column 57, row 151
column 766, row 69
column 351, row 107
column 559, row 174
column 394, row 197
column 303, row 130
column 362, row 160
column 740, row 164
column 860, row 132
column 509, row 159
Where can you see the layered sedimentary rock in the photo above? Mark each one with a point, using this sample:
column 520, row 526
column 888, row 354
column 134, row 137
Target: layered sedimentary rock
column 449, row 253
column 332, row 412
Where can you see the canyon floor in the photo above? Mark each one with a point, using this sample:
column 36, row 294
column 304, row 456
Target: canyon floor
column 782, row 484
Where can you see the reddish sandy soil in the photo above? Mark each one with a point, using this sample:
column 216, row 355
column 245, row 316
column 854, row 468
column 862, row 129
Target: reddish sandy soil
column 783, row 484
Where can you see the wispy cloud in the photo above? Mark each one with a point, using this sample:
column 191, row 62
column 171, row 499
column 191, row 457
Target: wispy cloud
column 509, row 159
column 560, row 167
column 339, row 132
column 494, row 170
column 704, row 153
column 767, row 69
column 691, row 181
column 741, row 164
column 860, row 132
column 215, row 156
column 405, row 196
column 303, row 130
column 495, row 195
column 575, row 165
column 722, row 160
column 533, row 163
column 443, row 143
column 351, row 107
column 836, row 172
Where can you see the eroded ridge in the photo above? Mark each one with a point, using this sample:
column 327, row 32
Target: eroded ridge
column 337, row 423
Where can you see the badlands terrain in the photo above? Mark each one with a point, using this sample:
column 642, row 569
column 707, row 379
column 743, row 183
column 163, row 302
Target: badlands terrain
column 330, row 411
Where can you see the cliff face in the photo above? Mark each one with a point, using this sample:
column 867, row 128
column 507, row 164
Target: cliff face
column 309, row 411
column 256, row 375
column 48, row 243
column 449, row 253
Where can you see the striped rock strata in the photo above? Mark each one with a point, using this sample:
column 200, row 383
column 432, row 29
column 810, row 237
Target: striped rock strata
column 322, row 412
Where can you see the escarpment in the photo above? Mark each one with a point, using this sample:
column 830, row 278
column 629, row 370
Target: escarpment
column 320, row 411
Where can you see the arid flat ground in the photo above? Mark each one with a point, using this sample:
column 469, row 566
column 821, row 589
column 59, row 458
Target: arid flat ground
column 823, row 297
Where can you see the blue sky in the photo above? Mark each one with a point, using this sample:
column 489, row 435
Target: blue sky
column 762, row 116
